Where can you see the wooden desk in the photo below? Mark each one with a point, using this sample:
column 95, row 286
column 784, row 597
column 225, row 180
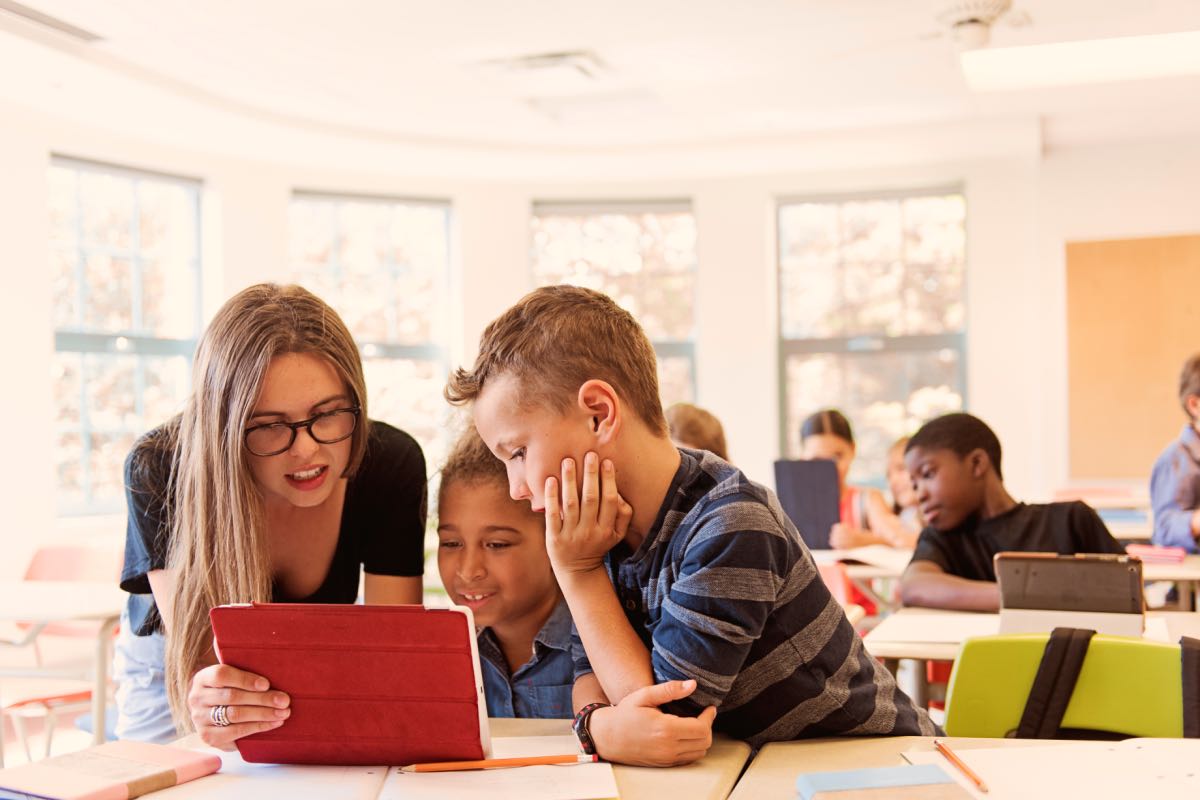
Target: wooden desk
column 711, row 778
column 69, row 601
column 774, row 770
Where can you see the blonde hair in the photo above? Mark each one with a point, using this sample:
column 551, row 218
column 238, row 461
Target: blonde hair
column 554, row 340
column 218, row 546
column 692, row 426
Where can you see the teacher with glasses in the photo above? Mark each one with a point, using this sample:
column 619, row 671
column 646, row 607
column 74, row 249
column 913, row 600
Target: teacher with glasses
column 272, row 485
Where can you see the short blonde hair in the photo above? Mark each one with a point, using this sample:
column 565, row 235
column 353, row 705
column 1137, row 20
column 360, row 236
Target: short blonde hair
column 554, row 340
column 692, row 426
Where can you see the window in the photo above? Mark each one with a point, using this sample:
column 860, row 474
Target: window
column 383, row 264
column 643, row 255
column 125, row 267
column 872, row 314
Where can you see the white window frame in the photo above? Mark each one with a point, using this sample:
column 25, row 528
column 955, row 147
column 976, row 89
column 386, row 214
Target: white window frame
column 663, row 348
column 81, row 340
column 869, row 344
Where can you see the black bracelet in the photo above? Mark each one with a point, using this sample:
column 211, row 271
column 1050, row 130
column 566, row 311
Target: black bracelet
column 582, row 729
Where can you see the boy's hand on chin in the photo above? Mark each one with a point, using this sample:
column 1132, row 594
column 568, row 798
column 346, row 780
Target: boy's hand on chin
column 581, row 526
column 636, row 732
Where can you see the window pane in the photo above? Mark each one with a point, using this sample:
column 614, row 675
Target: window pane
column 888, row 269
column 134, row 270
column 66, row 374
column 675, row 380
column 106, row 208
column 65, row 285
column 408, row 394
column 884, row 395
column 109, row 305
column 106, row 467
column 644, row 260
column 384, row 266
column 934, row 229
column 870, row 231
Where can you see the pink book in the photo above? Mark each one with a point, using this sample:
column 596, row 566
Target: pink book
column 1157, row 554
column 112, row 771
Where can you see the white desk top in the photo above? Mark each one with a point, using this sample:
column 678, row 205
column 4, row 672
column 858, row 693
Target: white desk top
column 774, row 770
column 890, row 563
column 893, row 637
column 711, row 778
column 60, row 601
column 1186, row 570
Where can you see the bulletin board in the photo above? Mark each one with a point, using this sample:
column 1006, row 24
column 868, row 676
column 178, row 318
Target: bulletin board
column 1133, row 316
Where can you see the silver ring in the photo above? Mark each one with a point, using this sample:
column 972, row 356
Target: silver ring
column 219, row 716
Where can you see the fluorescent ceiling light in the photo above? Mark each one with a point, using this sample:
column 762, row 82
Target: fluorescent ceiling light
column 1128, row 58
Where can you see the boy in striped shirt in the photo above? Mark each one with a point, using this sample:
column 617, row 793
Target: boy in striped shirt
column 695, row 601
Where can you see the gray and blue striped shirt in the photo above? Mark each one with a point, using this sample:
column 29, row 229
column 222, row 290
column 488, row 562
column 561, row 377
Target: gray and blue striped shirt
column 724, row 591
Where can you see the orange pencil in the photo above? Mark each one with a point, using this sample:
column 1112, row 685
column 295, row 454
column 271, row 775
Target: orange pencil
column 489, row 763
column 960, row 764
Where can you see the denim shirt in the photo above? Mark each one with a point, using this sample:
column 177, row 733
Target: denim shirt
column 541, row 687
column 1175, row 491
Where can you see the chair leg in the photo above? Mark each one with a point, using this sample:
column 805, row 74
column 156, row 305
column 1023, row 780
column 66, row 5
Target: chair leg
column 19, row 725
column 51, row 720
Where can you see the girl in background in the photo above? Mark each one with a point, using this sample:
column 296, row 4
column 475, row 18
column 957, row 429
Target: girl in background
column 693, row 427
column 865, row 517
column 900, row 483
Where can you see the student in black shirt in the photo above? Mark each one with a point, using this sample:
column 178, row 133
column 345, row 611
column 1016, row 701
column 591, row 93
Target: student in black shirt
column 954, row 461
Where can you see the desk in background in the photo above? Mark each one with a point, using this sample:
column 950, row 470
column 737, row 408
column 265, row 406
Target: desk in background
column 69, row 601
column 927, row 634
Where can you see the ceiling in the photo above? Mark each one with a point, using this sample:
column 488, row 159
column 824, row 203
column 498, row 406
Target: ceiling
column 670, row 72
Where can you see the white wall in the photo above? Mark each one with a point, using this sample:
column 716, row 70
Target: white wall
column 1022, row 207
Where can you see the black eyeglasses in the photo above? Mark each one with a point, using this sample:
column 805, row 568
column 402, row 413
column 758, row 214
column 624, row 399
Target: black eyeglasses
column 328, row 427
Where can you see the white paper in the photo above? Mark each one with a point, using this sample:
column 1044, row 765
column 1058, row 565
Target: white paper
column 1163, row 768
column 940, row 627
column 527, row 746
column 544, row 782
column 239, row 780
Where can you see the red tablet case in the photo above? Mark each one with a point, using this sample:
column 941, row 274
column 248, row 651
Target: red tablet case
column 370, row 685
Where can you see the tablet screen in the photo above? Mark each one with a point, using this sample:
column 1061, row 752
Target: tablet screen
column 1109, row 583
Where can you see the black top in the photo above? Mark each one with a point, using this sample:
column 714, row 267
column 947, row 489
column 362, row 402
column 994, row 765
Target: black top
column 1063, row 528
column 382, row 530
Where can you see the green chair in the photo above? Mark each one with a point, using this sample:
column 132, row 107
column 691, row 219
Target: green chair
column 1126, row 686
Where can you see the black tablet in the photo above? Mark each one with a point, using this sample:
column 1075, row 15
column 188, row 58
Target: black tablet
column 1082, row 582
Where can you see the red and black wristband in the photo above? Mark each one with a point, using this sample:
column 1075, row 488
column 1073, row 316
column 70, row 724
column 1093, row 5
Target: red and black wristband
column 581, row 726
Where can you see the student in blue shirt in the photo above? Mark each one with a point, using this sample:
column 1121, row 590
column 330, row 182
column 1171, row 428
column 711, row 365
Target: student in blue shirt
column 492, row 558
column 1175, row 480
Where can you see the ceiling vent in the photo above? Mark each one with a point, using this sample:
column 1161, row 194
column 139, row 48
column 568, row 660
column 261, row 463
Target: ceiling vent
column 46, row 21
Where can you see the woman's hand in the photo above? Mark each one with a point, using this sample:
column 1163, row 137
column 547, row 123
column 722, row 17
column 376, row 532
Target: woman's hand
column 247, row 702
column 588, row 523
